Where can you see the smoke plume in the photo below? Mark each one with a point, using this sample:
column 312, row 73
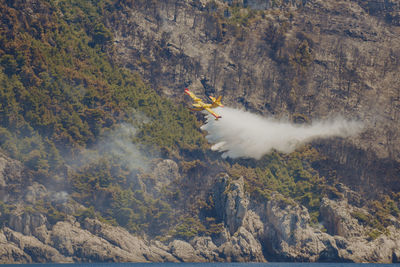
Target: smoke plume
column 116, row 144
column 243, row 134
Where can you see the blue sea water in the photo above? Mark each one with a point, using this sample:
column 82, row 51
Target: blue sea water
column 270, row 264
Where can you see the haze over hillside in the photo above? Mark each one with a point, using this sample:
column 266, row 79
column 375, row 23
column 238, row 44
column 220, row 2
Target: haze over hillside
column 101, row 159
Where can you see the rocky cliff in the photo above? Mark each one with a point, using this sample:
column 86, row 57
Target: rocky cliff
column 305, row 59
column 278, row 229
column 335, row 200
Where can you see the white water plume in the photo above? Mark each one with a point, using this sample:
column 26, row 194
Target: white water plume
column 243, row 134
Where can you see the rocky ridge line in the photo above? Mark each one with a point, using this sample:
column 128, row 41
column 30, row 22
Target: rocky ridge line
column 277, row 229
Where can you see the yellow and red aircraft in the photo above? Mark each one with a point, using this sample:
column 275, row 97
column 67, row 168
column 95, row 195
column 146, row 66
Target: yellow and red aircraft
column 200, row 105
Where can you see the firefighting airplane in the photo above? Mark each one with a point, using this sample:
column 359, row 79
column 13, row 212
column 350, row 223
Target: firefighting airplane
column 200, row 105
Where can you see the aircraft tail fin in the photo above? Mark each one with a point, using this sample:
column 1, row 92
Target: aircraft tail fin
column 216, row 101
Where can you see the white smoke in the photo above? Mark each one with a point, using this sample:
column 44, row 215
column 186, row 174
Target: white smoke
column 243, row 134
column 118, row 145
column 60, row 197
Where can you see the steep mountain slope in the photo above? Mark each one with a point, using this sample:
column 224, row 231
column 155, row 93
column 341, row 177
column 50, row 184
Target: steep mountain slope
column 103, row 162
column 307, row 60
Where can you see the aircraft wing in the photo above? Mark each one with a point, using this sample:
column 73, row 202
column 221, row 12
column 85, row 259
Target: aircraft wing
column 213, row 113
column 193, row 96
column 198, row 106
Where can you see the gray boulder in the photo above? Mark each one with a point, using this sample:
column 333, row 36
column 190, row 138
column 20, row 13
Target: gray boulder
column 35, row 192
column 71, row 240
column 287, row 232
column 121, row 238
column 185, row 252
column 160, row 252
column 36, row 250
column 205, row 248
column 338, row 219
column 10, row 253
column 26, row 222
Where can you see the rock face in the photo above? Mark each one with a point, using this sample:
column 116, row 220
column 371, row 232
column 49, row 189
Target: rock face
column 238, row 242
column 184, row 251
column 26, row 222
column 36, row 250
column 316, row 58
column 338, row 220
column 121, row 238
column 163, row 174
column 11, row 177
column 10, row 253
column 278, row 229
column 281, row 230
column 34, row 192
column 71, row 240
column 231, row 204
column 205, row 248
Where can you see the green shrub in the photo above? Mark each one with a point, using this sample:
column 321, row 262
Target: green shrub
column 188, row 228
column 361, row 217
column 374, row 234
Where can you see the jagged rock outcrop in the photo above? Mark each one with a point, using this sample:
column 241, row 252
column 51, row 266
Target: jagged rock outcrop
column 123, row 239
column 287, row 233
column 316, row 58
column 10, row 253
column 353, row 238
column 35, row 192
column 117, row 236
column 338, row 219
column 281, row 229
column 42, row 233
column 25, row 222
column 277, row 229
column 185, row 252
column 205, row 248
column 11, row 177
column 73, row 241
column 230, row 202
column 37, row 251
column 238, row 242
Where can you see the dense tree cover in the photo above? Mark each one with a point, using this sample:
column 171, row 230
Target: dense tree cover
column 60, row 83
column 63, row 99
column 291, row 175
column 60, row 93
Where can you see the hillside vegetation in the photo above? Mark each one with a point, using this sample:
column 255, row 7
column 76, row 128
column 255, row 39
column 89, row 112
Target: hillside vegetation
column 60, row 93
column 84, row 125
